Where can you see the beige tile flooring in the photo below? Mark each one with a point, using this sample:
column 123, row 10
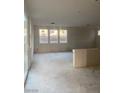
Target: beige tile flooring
column 54, row 73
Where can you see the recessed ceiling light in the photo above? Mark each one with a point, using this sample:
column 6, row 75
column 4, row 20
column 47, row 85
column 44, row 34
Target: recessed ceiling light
column 52, row 23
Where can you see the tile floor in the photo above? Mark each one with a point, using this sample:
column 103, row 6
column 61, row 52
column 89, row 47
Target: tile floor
column 54, row 73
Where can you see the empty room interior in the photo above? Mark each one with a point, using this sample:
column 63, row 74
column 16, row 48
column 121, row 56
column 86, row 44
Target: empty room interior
column 62, row 46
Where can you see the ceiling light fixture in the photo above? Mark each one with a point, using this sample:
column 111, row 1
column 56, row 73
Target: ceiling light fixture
column 52, row 25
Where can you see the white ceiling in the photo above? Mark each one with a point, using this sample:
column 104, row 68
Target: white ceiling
column 64, row 12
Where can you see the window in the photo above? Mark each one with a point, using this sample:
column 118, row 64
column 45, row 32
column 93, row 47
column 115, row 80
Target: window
column 63, row 36
column 53, row 36
column 43, row 35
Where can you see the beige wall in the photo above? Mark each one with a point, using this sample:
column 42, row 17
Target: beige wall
column 98, row 41
column 30, row 36
column 30, row 40
column 78, row 37
column 98, row 44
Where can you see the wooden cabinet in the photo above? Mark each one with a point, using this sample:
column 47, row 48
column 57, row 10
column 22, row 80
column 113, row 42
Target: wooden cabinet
column 85, row 57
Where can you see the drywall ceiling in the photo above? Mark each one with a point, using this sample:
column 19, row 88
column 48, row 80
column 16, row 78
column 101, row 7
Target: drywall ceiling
column 64, row 12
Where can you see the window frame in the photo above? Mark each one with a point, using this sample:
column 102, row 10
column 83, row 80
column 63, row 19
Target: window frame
column 56, row 36
column 66, row 36
column 48, row 36
column 40, row 36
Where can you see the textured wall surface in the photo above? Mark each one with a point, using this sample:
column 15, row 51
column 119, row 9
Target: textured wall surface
column 78, row 37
